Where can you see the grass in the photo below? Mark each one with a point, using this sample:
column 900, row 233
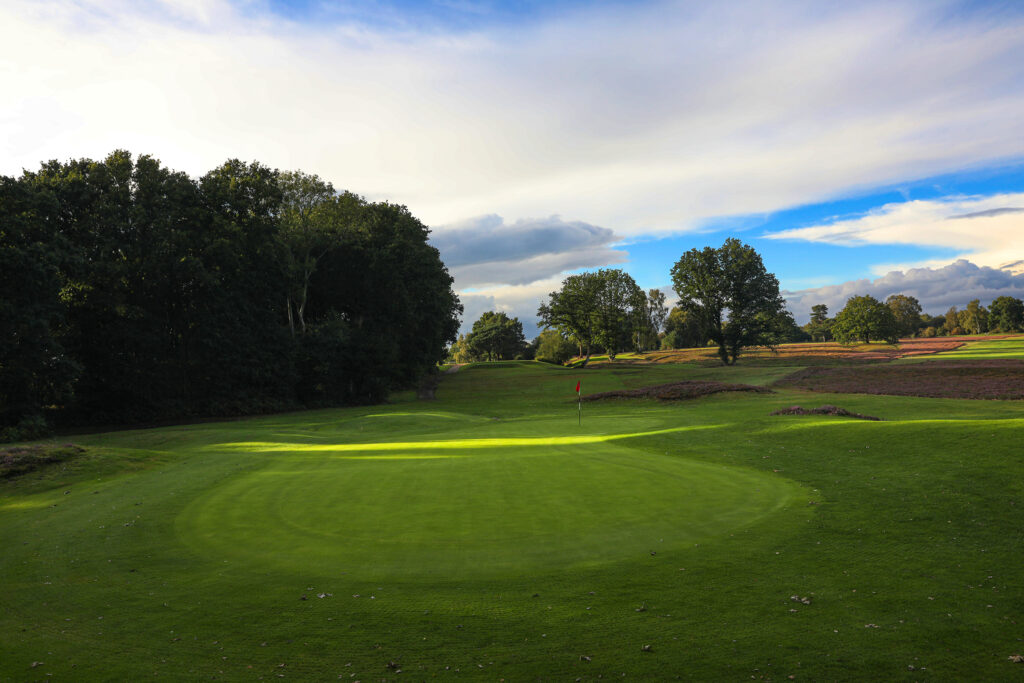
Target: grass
column 995, row 349
column 485, row 536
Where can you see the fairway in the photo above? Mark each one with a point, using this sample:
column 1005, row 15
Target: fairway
column 487, row 535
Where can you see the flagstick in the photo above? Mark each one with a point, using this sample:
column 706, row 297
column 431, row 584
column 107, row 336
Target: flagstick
column 579, row 397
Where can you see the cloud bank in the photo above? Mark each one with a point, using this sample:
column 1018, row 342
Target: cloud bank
column 645, row 117
column 936, row 288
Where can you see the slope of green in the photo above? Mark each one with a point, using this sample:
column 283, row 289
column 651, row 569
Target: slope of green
column 486, row 535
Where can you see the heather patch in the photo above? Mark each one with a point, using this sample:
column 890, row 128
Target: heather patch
column 823, row 410
column 676, row 391
column 993, row 379
column 18, row 460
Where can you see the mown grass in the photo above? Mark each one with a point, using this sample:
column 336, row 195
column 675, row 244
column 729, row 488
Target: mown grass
column 487, row 536
column 992, row 349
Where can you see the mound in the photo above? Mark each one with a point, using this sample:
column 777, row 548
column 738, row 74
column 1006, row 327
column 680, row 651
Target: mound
column 823, row 410
column 675, row 391
column 978, row 379
column 18, row 460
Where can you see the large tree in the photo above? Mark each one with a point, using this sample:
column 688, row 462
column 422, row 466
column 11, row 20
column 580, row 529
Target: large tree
column 907, row 311
column 495, row 336
column 820, row 326
column 974, row 318
column 865, row 318
column 1006, row 314
column 572, row 310
column 732, row 296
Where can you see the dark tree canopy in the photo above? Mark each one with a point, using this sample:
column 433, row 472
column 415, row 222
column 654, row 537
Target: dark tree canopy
column 495, row 336
column 1006, row 314
column 131, row 292
column 733, row 299
column 865, row 318
column 907, row 312
column 604, row 308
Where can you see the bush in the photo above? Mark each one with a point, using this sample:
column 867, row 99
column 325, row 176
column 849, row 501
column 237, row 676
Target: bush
column 31, row 427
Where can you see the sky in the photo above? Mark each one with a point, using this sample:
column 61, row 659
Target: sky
column 860, row 147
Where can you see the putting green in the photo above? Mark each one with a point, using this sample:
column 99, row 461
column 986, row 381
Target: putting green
column 496, row 503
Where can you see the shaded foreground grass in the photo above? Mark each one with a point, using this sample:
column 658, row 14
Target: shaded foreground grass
column 486, row 536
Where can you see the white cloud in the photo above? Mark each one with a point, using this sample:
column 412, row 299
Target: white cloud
column 987, row 230
column 517, row 301
column 642, row 118
column 937, row 289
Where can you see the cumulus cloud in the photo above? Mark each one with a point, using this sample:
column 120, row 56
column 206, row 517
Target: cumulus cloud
column 487, row 251
column 645, row 116
column 936, row 288
column 989, row 230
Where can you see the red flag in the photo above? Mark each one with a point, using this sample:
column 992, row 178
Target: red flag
column 577, row 387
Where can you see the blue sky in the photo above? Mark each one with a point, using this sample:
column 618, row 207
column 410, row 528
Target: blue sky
column 873, row 147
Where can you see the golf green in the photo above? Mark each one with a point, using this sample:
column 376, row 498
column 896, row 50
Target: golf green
column 469, row 507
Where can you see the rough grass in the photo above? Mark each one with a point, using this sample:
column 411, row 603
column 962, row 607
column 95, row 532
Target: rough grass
column 485, row 535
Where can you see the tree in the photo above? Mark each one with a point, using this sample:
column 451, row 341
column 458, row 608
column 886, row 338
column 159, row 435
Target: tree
column 305, row 233
column 619, row 312
column 907, row 311
column 682, row 330
column 1006, row 314
column 952, row 322
column 865, row 318
column 820, row 326
column 552, row 347
column 572, row 311
column 495, row 336
column 731, row 295
column 974, row 318
column 651, row 318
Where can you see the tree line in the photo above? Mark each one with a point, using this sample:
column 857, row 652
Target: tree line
column 865, row 318
column 726, row 299
column 130, row 292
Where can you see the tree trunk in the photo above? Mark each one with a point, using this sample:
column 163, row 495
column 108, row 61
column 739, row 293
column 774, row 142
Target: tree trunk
column 291, row 321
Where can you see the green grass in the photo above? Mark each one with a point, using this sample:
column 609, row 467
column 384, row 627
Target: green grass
column 487, row 533
column 994, row 349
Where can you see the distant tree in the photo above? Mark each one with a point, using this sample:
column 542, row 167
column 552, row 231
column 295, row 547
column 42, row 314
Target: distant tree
column 620, row 310
column 782, row 328
column 974, row 318
column 952, row 321
column 682, row 330
column 552, row 347
column 907, row 311
column 865, row 318
column 820, row 326
column 1006, row 314
column 730, row 294
column 602, row 308
column 651, row 314
column 929, row 332
column 572, row 311
column 460, row 351
column 495, row 336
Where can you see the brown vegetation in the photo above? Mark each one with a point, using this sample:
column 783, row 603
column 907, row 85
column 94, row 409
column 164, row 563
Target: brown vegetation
column 978, row 379
column 675, row 391
column 17, row 460
column 823, row 410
